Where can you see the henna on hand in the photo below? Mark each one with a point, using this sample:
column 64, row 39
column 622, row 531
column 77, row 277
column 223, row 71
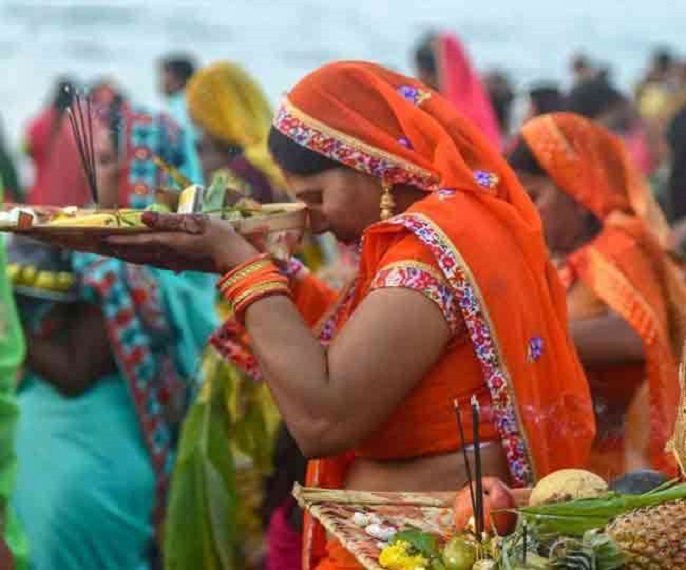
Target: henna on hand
column 188, row 223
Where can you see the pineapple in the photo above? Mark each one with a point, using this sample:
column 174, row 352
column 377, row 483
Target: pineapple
column 654, row 537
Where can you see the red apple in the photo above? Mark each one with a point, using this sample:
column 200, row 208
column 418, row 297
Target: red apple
column 498, row 508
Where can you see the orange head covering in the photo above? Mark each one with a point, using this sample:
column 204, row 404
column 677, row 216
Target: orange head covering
column 391, row 127
column 593, row 166
column 387, row 125
column 626, row 265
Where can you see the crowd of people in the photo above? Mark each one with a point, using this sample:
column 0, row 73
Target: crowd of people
column 162, row 393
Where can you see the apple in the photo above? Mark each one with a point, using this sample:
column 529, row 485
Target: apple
column 499, row 505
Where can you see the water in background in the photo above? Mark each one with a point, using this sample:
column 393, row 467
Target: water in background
column 279, row 41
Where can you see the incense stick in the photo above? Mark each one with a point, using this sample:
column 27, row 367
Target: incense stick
column 479, row 513
column 82, row 128
column 468, row 468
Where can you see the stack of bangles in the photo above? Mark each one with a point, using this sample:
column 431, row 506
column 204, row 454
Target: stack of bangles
column 250, row 282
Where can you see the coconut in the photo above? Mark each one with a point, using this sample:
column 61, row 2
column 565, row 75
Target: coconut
column 567, row 485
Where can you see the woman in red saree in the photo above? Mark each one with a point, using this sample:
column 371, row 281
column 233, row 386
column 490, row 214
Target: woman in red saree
column 443, row 64
column 455, row 297
column 627, row 300
column 50, row 143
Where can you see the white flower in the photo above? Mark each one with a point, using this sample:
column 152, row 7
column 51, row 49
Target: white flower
column 381, row 532
column 361, row 519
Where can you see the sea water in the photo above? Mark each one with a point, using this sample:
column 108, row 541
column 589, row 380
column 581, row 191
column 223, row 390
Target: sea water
column 280, row 40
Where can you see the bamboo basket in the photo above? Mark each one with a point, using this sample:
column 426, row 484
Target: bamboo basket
column 430, row 512
column 677, row 444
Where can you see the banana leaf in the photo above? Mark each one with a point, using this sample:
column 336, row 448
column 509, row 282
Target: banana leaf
column 576, row 517
column 200, row 528
column 212, row 517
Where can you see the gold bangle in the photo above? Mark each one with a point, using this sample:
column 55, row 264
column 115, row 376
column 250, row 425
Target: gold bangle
column 243, row 273
column 260, row 288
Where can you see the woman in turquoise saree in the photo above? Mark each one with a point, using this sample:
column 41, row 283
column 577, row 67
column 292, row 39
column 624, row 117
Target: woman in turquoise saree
column 107, row 379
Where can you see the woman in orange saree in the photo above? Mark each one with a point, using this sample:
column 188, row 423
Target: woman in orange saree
column 626, row 298
column 455, row 297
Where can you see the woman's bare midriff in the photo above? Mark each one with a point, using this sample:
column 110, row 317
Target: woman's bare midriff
column 444, row 472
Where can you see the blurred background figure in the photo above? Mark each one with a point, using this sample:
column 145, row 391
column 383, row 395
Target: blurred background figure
column 174, row 73
column 675, row 192
column 501, row 93
column 582, row 69
column 599, row 100
column 10, row 187
column 442, row 63
column 58, row 177
column 107, row 378
column 544, row 99
column 232, row 117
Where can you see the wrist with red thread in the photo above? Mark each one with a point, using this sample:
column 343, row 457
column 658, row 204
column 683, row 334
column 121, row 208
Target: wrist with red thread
column 251, row 281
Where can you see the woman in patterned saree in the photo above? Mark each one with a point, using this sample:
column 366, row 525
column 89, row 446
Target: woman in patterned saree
column 454, row 298
column 106, row 379
column 627, row 300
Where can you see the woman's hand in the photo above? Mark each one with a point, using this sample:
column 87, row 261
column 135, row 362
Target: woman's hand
column 181, row 242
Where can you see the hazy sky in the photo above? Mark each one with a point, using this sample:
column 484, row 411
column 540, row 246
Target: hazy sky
column 280, row 40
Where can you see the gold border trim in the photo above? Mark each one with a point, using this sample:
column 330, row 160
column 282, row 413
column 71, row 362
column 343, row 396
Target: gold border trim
column 354, row 141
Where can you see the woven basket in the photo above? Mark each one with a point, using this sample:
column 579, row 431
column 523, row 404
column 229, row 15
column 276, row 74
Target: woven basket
column 677, row 445
column 430, row 512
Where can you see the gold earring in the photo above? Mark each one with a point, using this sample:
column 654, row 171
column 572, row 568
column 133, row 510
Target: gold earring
column 387, row 202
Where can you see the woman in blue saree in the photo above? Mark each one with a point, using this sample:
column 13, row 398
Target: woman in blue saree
column 107, row 378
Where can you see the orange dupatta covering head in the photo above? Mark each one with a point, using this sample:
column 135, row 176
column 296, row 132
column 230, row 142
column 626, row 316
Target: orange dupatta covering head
column 486, row 237
column 626, row 266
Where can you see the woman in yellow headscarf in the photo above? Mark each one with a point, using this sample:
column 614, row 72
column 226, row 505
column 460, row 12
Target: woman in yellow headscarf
column 234, row 116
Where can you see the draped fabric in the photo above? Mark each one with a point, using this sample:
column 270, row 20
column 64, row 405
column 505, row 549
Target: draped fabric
column 475, row 212
column 626, row 265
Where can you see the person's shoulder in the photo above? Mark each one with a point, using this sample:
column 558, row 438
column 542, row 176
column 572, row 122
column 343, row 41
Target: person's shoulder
column 408, row 248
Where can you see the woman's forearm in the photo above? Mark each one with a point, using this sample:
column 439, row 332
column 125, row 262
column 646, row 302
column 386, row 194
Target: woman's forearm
column 606, row 340
column 295, row 365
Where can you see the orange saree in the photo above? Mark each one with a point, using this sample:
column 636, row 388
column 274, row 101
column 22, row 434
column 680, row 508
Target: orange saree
column 477, row 232
column 624, row 269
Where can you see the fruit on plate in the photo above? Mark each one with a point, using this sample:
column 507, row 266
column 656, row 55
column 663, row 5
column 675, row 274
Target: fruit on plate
column 654, row 537
column 638, row 482
column 459, row 553
column 567, row 485
column 499, row 505
column 112, row 219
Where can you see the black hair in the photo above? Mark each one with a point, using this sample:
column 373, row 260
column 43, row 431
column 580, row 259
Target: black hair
column 676, row 186
column 64, row 93
column 593, row 98
column 180, row 66
column 297, row 159
column 424, row 55
column 523, row 159
column 580, row 62
column 501, row 96
column 547, row 99
column 663, row 58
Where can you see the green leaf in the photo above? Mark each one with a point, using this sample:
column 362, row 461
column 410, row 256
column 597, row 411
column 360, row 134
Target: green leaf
column 215, row 194
column 576, row 517
column 200, row 524
column 423, row 542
